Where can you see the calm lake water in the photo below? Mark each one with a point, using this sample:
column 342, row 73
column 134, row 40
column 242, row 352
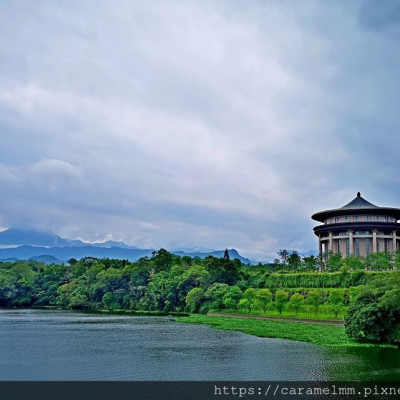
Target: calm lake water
column 62, row 345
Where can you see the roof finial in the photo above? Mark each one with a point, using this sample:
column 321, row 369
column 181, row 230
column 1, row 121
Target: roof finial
column 358, row 194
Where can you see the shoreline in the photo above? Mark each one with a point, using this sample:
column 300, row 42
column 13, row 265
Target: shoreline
column 137, row 313
column 319, row 334
column 327, row 334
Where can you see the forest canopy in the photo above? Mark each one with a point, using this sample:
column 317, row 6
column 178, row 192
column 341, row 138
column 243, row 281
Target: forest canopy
column 171, row 283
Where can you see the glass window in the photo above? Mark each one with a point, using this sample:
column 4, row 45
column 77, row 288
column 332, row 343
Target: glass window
column 347, row 247
column 356, row 218
column 358, row 247
column 367, row 246
column 376, row 218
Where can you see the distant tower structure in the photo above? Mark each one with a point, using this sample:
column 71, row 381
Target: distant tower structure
column 226, row 255
column 358, row 228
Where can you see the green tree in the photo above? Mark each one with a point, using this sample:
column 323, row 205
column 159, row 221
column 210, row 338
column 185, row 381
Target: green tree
column 78, row 301
column 294, row 261
column 353, row 262
column 162, row 260
column 314, row 300
column 296, row 301
column 222, row 270
column 369, row 321
column 109, row 301
column 244, row 304
column 374, row 316
column 310, row 263
column 197, row 276
column 263, row 298
column 336, row 299
column 281, row 298
column 334, row 262
column 194, row 299
column 232, row 297
column 64, row 292
column 354, row 292
column 380, row 261
column 215, row 295
column 283, row 256
column 250, row 296
column 187, row 261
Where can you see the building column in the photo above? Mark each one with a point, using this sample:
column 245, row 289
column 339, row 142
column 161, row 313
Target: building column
column 351, row 249
column 330, row 246
column 374, row 246
column 320, row 245
column 394, row 241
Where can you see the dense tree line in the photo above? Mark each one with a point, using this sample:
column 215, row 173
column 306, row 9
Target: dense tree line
column 169, row 283
column 329, row 262
column 161, row 282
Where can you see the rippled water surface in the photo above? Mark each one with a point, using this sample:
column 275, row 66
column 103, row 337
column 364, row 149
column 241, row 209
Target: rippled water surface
column 62, row 345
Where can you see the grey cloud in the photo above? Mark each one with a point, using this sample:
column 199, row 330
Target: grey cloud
column 210, row 124
column 377, row 16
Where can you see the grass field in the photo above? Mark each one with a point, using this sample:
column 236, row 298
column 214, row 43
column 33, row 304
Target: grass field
column 323, row 335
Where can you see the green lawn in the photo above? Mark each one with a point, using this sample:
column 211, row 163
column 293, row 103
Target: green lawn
column 323, row 335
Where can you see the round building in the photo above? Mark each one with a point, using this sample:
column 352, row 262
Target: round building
column 358, row 228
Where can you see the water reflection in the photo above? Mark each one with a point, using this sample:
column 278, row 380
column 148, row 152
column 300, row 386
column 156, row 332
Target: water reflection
column 60, row 345
column 363, row 364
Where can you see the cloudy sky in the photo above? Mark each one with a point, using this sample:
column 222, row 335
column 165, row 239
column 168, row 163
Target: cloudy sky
column 207, row 124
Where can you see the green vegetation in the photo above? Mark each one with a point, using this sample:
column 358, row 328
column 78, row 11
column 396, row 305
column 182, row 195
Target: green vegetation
column 324, row 335
column 342, row 279
column 290, row 287
column 336, row 299
column 281, row 298
column 292, row 262
column 324, row 314
column 296, row 302
column 375, row 315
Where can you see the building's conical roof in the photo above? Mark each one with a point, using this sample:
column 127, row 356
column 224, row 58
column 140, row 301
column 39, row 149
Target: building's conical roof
column 358, row 202
column 357, row 206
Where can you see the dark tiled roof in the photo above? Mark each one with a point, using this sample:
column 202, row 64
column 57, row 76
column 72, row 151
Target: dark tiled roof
column 357, row 206
column 358, row 202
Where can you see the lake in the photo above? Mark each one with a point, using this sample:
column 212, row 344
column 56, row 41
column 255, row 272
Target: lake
column 66, row 345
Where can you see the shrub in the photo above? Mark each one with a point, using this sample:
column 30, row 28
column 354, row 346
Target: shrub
column 296, row 301
column 281, row 298
column 336, row 298
column 314, row 300
column 368, row 321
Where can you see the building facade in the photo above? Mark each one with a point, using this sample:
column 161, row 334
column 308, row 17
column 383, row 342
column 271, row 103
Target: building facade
column 358, row 228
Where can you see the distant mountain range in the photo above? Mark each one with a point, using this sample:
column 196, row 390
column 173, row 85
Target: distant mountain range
column 24, row 244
